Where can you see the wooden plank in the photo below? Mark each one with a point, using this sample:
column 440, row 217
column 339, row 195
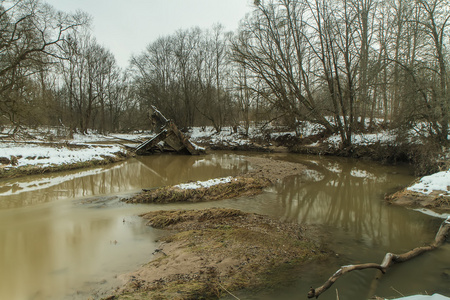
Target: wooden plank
column 172, row 137
column 151, row 143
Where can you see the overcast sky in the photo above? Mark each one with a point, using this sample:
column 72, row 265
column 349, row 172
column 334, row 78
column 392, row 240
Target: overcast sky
column 127, row 27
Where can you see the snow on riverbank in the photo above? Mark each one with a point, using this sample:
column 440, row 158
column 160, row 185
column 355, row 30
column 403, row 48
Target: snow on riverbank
column 41, row 155
column 228, row 136
column 387, row 137
column 424, row 297
column 436, row 182
column 38, row 153
column 50, row 147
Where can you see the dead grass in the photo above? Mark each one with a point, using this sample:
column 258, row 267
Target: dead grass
column 218, row 249
column 266, row 171
column 239, row 186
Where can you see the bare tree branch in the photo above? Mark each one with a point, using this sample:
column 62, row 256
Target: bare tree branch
column 389, row 260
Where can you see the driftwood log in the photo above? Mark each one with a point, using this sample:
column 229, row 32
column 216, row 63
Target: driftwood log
column 389, row 259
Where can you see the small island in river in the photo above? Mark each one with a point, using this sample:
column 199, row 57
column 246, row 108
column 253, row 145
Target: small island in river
column 265, row 172
column 211, row 252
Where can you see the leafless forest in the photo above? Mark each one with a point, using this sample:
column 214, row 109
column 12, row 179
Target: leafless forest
column 351, row 66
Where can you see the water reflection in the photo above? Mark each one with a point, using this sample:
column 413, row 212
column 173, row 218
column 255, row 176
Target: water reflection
column 49, row 252
column 339, row 194
column 345, row 198
column 142, row 172
column 58, row 232
column 66, row 235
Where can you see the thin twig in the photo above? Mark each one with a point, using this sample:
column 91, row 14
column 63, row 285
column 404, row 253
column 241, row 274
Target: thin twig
column 397, row 291
column 228, row 292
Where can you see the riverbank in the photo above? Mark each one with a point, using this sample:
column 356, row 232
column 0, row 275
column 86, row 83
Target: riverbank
column 21, row 159
column 38, row 152
column 43, row 150
column 214, row 252
column 429, row 192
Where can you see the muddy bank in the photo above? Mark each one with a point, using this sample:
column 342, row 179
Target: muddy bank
column 217, row 251
column 265, row 171
column 434, row 201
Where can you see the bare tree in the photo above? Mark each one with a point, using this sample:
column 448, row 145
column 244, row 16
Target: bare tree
column 31, row 36
column 273, row 48
column 435, row 23
column 91, row 77
column 184, row 75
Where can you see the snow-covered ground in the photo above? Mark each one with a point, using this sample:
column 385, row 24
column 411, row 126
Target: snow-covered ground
column 203, row 184
column 383, row 137
column 41, row 151
column 424, row 297
column 228, row 137
column 436, row 182
column 96, row 138
column 21, row 154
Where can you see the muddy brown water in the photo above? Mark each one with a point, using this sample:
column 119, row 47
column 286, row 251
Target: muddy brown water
column 68, row 235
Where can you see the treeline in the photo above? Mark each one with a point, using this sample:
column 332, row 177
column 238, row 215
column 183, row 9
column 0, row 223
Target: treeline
column 348, row 65
column 53, row 72
column 188, row 76
column 343, row 62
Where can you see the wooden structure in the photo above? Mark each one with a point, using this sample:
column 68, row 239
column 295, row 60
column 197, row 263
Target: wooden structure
column 168, row 139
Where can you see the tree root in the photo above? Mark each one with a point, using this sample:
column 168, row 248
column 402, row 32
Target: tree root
column 389, row 259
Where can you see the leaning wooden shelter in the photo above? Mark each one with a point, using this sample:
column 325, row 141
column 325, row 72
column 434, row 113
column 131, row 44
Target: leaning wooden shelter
column 168, row 138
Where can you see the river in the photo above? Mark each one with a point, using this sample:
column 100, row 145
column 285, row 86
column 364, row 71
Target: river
column 68, row 235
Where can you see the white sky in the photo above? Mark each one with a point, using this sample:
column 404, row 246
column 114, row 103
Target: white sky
column 127, row 27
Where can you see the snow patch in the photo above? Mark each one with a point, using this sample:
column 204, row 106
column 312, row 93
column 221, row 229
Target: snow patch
column 424, row 297
column 436, row 182
column 383, row 137
column 44, row 156
column 204, row 184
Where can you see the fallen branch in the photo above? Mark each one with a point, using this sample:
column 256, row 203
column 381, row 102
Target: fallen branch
column 389, row 259
column 228, row 292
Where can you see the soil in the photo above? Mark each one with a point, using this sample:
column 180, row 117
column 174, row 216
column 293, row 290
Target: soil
column 216, row 251
column 265, row 172
column 435, row 201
